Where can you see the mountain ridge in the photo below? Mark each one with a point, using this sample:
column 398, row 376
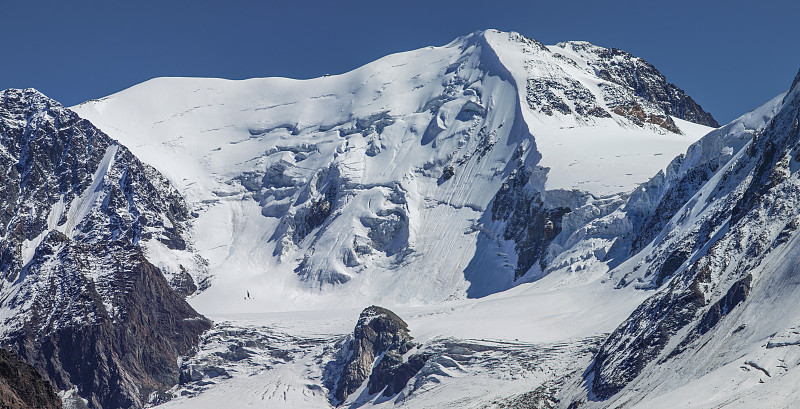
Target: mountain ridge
column 77, row 205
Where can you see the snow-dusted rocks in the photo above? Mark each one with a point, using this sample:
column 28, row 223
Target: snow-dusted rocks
column 724, row 255
column 621, row 68
column 376, row 353
column 518, row 204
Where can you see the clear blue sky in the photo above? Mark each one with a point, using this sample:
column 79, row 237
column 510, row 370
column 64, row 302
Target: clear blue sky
column 730, row 55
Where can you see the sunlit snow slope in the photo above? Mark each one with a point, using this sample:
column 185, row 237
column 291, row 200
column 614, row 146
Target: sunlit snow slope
column 403, row 180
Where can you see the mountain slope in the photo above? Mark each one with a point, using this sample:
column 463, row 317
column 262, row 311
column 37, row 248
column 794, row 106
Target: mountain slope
column 78, row 299
column 22, row 387
column 394, row 180
column 723, row 319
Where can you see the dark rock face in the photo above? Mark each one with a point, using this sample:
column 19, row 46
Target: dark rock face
column 379, row 331
column 528, row 222
column 676, row 196
column 116, row 338
column 541, row 97
column 48, row 163
column 391, row 374
column 89, row 309
column 623, row 357
column 623, row 68
column 22, row 387
column 637, row 114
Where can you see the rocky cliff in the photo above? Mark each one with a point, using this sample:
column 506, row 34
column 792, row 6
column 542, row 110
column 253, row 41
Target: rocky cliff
column 21, row 386
column 730, row 223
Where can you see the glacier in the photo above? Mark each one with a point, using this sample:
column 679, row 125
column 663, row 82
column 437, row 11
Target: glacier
column 379, row 183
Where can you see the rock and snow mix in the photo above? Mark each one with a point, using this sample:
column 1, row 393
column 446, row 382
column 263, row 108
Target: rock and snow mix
column 432, row 177
column 531, row 212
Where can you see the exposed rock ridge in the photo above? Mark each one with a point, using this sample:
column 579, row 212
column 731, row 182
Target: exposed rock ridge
column 621, row 67
column 51, row 158
column 708, row 254
column 527, row 222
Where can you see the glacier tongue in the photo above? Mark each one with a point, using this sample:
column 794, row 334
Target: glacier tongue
column 379, row 182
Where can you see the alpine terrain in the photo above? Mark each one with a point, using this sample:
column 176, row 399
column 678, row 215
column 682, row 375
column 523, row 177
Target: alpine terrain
column 490, row 223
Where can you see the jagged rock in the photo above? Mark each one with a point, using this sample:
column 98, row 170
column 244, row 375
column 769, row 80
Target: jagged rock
column 447, row 173
column 21, row 386
column 528, row 222
column 539, row 398
column 379, row 331
column 648, row 83
column 391, row 374
column 182, row 282
column 638, row 115
column 52, row 158
column 116, row 338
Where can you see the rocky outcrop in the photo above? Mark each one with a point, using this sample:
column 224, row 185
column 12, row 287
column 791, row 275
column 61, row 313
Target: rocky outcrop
column 392, row 374
column 59, row 172
column 116, row 337
column 637, row 114
column 380, row 334
column 527, row 222
column 22, row 387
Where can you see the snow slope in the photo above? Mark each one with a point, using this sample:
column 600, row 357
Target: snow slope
column 721, row 331
column 377, row 184
column 485, row 350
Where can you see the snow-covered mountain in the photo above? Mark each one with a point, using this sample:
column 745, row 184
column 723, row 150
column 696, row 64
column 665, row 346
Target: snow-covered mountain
column 723, row 326
column 551, row 226
column 428, row 175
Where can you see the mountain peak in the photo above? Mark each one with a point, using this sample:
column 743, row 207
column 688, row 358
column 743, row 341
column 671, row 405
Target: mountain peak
column 794, row 88
column 27, row 98
column 344, row 171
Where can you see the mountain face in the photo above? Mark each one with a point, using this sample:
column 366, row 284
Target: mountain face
column 722, row 257
column 622, row 68
column 375, row 356
column 429, row 175
column 517, row 204
column 77, row 292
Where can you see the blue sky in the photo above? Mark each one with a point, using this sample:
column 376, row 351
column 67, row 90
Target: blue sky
column 729, row 55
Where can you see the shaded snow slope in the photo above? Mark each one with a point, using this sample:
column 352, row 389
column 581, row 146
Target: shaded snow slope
column 383, row 182
column 722, row 325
